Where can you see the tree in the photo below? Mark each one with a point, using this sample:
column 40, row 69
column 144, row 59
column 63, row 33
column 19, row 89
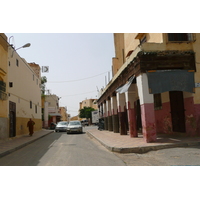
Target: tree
column 86, row 112
column 43, row 81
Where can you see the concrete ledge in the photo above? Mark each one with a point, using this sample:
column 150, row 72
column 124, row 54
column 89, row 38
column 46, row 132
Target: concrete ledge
column 143, row 149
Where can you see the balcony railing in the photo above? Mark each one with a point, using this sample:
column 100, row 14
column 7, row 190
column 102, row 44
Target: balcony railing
column 3, row 96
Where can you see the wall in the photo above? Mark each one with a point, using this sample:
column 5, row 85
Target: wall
column 25, row 89
column 89, row 103
column 3, row 79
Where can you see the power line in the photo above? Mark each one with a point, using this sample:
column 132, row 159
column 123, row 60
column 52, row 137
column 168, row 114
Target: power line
column 79, row 94
column 78, row 79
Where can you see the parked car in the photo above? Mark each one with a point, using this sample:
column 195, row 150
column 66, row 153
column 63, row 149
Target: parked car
column 85, row 122
column 61, row 126
column 74, row 127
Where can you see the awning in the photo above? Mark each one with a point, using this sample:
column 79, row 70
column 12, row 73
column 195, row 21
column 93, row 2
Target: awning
column 171, row 80
column 125, row 87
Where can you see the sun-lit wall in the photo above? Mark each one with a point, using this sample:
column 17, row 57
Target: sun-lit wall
column 24, row 91
column 3, row 86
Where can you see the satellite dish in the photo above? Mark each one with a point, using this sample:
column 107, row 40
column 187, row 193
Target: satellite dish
column 45, row 69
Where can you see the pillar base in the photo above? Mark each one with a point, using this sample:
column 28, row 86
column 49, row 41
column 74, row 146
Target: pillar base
column 148, row 122
column 132, row 123
column 106, row 123
column 122, row 123
column 110, row 123
column 115, row 120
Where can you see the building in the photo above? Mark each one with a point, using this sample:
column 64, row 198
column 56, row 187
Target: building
column 155, row 86
column 3, row 86
column 51, row 109
column 24, row 94
column 89, row 103
column 63, row 113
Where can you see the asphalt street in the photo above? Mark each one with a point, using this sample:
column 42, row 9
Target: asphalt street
column 61, row 149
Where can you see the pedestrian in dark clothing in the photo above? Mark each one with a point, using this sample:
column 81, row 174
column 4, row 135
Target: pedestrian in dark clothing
column 30, row 126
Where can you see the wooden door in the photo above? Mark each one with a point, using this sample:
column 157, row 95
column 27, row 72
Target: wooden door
column 177, row 111
column 12, row 121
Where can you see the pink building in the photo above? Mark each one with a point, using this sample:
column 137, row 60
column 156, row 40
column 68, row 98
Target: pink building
column 155, row 87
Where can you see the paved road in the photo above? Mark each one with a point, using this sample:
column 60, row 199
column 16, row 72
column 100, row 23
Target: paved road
column 61, row 149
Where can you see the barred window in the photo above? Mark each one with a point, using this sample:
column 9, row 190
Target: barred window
column 17, row 62
column 175, row 37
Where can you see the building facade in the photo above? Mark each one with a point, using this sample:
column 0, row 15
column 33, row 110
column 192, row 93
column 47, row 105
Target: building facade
column 89, row 103
column 3, row 86
column 63, row 113
column 24, row 95
column 155, row 86
column 52, row 109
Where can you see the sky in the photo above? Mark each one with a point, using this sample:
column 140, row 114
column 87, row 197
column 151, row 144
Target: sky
column 79, row 64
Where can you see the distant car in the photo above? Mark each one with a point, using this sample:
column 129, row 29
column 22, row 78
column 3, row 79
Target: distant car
column 85, row 122
column 61, row 126
column 74, row 127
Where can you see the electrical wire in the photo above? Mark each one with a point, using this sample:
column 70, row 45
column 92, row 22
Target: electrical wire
column 78, row 79
column 78, row 94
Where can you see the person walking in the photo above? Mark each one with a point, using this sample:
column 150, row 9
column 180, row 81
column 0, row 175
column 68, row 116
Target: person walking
column 30, row 126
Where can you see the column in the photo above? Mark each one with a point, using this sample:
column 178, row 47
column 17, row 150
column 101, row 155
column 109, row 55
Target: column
column 121, row 103
column 100, row 111
column 130, row 99
column 109, row 116
column 115, row 118
column 147, row 109
column 105, row 116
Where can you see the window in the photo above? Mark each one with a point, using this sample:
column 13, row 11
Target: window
column 35, row 108
column 10, row 84
column 17, row 62
column 31, row 104
column 157, row 102
column 179, row 37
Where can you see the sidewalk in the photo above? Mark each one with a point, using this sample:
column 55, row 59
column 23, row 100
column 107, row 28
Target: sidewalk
column 112, row 141
column 125, row 144
column 12, row 144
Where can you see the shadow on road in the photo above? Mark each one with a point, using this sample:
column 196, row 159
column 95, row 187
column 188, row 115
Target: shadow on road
column 31, row 154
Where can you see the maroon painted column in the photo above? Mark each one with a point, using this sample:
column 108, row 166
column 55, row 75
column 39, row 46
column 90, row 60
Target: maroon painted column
column 130, row 99
column 121, row 103
column 105, row 116
column 109, row 115
column 115, row 118
column 147, row 109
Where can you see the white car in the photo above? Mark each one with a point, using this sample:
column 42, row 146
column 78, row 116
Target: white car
column 74, row 127
column 61, row 126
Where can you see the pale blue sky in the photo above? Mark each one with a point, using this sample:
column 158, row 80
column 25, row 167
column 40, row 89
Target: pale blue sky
column 70, row 57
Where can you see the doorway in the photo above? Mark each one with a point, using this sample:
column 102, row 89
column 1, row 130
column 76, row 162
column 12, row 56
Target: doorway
column 138, row 115
column 177, row 111
column 12, row 122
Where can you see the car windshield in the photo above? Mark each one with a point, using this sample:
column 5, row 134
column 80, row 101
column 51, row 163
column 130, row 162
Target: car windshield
column 62, row 123
column 74, row 123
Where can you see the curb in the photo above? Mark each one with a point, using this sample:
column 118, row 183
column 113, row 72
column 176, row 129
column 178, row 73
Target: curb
column 143, row 149
column 22, row 145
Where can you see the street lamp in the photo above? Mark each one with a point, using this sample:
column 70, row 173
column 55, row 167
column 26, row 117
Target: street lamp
column 24, row 46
